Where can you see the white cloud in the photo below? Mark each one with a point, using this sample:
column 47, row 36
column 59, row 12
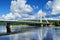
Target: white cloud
column 20, row 6
column 8, row 16
column 19, row 9
column 30, row 17
column 50, row 18
column 56, row 7
column 35, row 7
column 49, row 4
column 40, row 12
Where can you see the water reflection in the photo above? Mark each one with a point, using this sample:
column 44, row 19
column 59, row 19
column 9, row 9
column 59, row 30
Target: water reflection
column 2, row 29
column 25, row 36
column 48, row 33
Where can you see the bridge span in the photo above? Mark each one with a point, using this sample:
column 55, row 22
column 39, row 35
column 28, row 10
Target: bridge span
column 31, row 23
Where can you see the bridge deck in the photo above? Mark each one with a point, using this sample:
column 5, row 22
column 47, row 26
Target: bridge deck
column 27, row 22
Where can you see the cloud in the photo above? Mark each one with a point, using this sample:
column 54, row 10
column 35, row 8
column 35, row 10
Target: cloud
column 20, row 6
column 40, row 12
column 8, row 16
column 56, row 7
column 30, row 17
column 35, row 7
column 50, row 18
column 49, row 4
column 19, row 10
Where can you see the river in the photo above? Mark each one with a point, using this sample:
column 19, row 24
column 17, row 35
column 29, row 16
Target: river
column 48, row 33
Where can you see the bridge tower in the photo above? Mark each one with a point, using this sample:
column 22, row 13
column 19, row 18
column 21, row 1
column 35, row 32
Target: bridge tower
column 42, row 16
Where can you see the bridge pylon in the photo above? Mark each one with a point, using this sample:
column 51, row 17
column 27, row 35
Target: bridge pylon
column 41, row 19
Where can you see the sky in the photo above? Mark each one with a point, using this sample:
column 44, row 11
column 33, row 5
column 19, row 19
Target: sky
column 29, row 9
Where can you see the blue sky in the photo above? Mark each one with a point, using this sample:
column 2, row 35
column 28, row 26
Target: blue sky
column 22, row 9
column 5, row 5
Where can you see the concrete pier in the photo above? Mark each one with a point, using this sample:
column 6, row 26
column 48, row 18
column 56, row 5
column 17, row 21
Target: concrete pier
column 9, row 27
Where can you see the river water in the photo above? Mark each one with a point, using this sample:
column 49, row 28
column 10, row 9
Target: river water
column 44, row 33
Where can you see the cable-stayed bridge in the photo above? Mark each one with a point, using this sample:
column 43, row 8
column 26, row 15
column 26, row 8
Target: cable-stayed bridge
column 32, row 25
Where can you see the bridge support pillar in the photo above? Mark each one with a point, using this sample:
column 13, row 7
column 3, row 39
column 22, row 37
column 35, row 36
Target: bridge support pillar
column 41, row 25
column 9, row 27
